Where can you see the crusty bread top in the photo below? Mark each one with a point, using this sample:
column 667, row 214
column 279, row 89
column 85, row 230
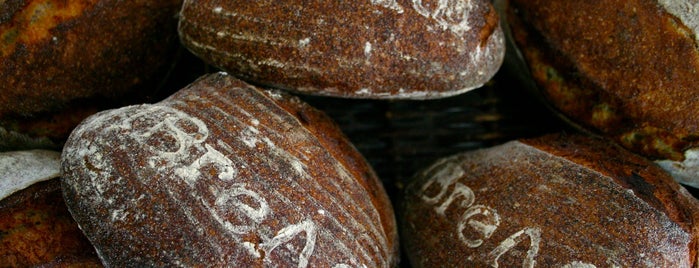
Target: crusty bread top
column 56, row 52
column 626, row 69
column 238, row 172
column 553, row 201
column 21, row 169
column 687, row 11
column 38, row 231
column 649, row 182
column 355, row 49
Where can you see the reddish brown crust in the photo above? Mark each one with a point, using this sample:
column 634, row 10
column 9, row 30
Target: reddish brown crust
column 37, row 229
column 332, row 138
column 347, row 49
column 109, row 51
column 9, row 7
column 259, row 154
column 627, row 69
column 564, row 199
column 54, row 127
column 629, row 170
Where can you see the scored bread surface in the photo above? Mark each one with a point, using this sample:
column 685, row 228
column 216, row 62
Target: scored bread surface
column 355, row 49
column 221, row 173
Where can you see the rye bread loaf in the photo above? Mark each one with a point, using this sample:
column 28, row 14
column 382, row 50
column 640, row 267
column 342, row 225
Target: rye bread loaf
column 61, row 61
column 553, row 201
column 226, row 174
column 624, row 69
column 355, row 49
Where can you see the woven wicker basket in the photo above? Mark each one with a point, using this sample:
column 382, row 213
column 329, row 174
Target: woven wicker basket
column 401, row 137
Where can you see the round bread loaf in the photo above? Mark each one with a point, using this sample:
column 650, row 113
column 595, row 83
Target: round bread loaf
column 55, row 55
column 553, row 201
column 624, row 69
column 226, row 174
column 355, row 49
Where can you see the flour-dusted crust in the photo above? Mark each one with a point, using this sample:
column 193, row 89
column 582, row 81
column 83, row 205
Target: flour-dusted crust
column 356, row 49
column 226, row 174
column 554, row 201
column 38, row 231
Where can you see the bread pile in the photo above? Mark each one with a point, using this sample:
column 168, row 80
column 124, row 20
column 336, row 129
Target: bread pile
column 163, row 163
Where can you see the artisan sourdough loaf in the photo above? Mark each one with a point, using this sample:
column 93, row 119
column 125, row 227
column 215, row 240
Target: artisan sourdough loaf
column 226, row 174
column 626, row 70
column 355, row 49
column 553, row 201
column 36, row 229
column 61, row 61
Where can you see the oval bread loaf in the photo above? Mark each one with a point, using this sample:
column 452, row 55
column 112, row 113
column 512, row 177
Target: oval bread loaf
column 226, row 174
column 61, row 61
column 554, row 201
column 355, row 49
column 624, row 69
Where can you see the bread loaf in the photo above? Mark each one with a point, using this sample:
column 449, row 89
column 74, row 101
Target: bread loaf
column 553, row 201
column 61, row 61
column 356, row 49
column 626, row 70
column 226, row 174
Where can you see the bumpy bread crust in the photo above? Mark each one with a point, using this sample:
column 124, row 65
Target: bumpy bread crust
column 62, row 60
column 549, row 202
column 355, row 49
column 224, row 173
column 36, row 229
column 632, row 171
column 625, row 69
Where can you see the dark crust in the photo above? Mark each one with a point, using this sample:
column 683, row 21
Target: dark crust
column 333, row 61
column 630, row 170
column 52, row 126
column 335, row 141
column 37, row 229
column 589, row 200
column 274, row 153
column 113, row 51
column 8, row 8
column 627, row 70
column 652, row 184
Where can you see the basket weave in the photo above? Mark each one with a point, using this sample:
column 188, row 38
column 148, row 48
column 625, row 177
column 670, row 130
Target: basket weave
column 399, row 138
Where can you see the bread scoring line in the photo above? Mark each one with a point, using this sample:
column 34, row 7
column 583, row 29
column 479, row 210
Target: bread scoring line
column 184, row 141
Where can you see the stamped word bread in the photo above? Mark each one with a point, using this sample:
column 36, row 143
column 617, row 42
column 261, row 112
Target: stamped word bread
column 356, row 49
column 554, row 201
column 226, row 174
column 627, row 70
